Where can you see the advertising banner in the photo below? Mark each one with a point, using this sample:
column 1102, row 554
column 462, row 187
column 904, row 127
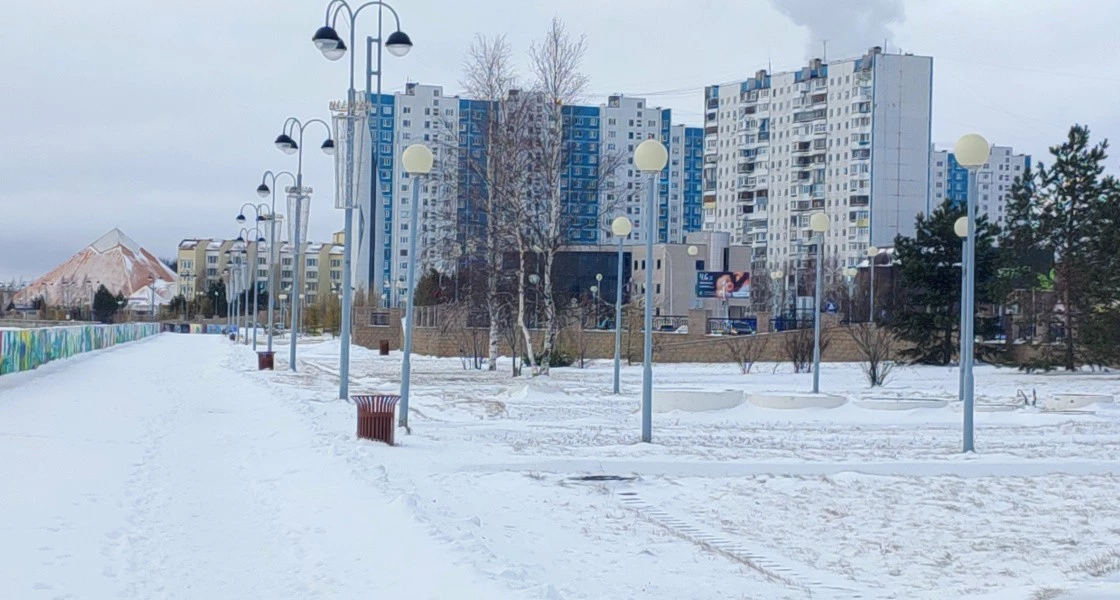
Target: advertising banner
column 723, row 285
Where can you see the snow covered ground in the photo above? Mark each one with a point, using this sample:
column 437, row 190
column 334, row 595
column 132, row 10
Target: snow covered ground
column 170, row 468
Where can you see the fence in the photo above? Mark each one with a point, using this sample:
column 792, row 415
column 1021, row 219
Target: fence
column 26, row 349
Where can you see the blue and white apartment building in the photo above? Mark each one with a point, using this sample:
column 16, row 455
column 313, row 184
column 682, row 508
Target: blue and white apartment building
column 598, row 136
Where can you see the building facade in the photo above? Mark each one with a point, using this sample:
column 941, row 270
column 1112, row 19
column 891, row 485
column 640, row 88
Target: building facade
column 849, row 138
column 949, row 181
column 202, row 262
column 599, row 181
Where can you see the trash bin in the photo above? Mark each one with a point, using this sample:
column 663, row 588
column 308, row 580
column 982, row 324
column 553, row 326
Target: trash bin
column 383, row 347
column 377, row 417
column 233, row 337
column 264, row 360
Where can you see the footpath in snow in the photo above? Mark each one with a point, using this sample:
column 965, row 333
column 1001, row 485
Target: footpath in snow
column 158, row 470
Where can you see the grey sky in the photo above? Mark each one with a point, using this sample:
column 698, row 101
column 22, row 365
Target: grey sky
column 158, row 117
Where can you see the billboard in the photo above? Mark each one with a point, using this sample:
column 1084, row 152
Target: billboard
column 723, row 284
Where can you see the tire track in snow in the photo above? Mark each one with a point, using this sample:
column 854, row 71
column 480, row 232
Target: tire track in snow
column 803, row 577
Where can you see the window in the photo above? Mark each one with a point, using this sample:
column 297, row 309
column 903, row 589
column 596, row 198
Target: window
column 313, row 262
column 406, row 123
column 211, row 260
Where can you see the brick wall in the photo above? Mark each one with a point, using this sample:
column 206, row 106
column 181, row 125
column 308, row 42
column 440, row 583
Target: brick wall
column 439, row 334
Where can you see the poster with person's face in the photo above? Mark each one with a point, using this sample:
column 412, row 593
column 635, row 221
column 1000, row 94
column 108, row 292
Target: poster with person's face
column 723, row 285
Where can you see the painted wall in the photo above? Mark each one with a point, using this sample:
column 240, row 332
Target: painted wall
column 26, row 349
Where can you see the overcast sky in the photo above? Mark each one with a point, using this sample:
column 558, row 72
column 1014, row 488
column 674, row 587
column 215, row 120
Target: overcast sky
column 158, row 116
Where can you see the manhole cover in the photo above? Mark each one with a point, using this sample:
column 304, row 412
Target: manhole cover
column 604, row 478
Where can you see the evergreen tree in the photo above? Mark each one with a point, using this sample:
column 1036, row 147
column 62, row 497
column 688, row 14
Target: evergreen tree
column 105, row 305
column 428, row 289
column 1059, row 210
column 930, row 283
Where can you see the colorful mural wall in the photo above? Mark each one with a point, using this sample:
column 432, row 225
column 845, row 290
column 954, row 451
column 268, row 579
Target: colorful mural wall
column 26, row 349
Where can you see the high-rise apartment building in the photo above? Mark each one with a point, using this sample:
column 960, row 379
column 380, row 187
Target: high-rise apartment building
column 850, row 138
column 949, row 181
column 597, row 138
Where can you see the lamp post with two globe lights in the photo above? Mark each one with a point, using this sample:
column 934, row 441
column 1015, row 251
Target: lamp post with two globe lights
column 290, row 145
column 327, row 40
column 971, row 152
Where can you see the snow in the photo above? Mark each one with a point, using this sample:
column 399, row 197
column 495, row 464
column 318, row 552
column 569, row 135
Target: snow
column 207, row 478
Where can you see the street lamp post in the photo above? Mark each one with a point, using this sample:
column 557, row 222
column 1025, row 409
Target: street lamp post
column 251, row 277
column 417, row 161
column 850, row 275
column 775, row 277
column 960, row 227
column 971, row 152
column 263, row 213
column 289, row 145
column 620, row 227
column 819, row 224
column 595, row 289
column 872, row 253
column 328, row 42
column 264, row 190
column 152, row 296
column 650, row 157
column 229, row 284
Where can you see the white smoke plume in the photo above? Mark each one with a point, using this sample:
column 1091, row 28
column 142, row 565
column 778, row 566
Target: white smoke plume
column 850, row 27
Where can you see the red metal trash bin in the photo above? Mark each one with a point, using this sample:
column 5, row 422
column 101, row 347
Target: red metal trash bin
column 264, row 360
column 377, row 417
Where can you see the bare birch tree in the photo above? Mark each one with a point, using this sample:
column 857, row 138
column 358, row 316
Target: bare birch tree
column 558, row 82
column 488, row 75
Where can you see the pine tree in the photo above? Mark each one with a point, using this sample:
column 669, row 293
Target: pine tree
column 105, row 305
column 930, row 283
column 1058, row 212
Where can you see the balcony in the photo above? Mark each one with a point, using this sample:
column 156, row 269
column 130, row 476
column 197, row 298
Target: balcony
column 809, row 115
column 861, row 154
column 859, row 201
column 711, row 130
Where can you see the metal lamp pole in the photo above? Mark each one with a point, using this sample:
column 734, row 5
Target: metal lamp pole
column 264, row 190
column 819, row 224
column 971, row 152
column 620, row 227
column 417, row 161
column 251, row 275
column 775, row 277
column 960, row 227
column 650, row 157
column 872, row 253
column 850, row 273
column 289, row 145
column 328, row 42
column 152, row 296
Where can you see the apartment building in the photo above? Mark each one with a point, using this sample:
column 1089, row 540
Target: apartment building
column 599, row 137
column 202, row 262
column 849, row 138
column 949, row 181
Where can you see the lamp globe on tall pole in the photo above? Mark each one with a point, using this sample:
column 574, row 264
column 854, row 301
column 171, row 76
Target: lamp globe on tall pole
column 417, row 160
column 775, row 279
column 650, row 157
column 819, row 224
column 971, row 152
column 850, row 274
column 872, row 253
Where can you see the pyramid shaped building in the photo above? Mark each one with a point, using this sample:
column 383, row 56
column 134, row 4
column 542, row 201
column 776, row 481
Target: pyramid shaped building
column 113, row 260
